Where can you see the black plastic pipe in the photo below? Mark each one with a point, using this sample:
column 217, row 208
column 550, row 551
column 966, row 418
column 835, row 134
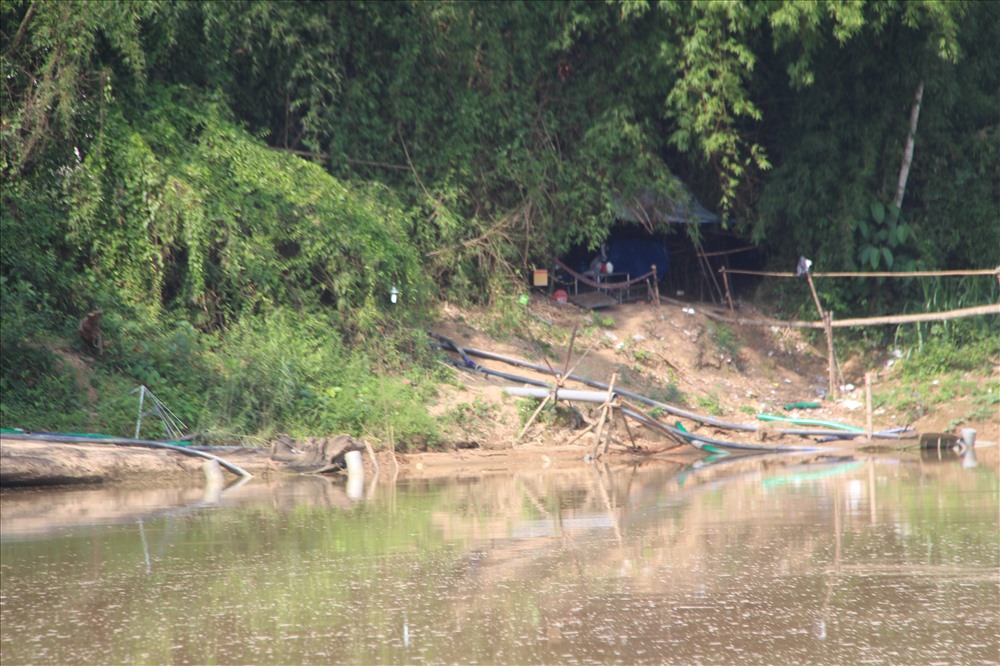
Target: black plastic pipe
column 676, row 411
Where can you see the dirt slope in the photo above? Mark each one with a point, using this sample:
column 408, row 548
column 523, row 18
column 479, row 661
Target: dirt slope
column 675, row 353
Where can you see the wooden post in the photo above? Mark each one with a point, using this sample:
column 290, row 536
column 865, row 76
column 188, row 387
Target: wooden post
column 869, row 428
column 831, row 359
column 827, row 319
column 812, row 288
column 550, row 396
column 612, row 426
column 656, row 286
column 729, row 296
column 604, row 414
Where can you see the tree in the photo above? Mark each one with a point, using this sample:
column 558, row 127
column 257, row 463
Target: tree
column 60, row 61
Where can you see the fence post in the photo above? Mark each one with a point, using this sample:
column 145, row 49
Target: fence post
column 831, row 359
column 729, row 296
column 827, row 319
column 656, row 286
column 869, row 428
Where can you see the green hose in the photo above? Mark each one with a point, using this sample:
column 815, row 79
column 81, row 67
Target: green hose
column 814, row 422
column 698, row 444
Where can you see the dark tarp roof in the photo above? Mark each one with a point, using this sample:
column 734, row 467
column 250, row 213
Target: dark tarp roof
column 648, row 207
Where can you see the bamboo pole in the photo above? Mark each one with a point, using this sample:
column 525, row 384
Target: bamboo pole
column 138, row 421
column 628, row 430
column 534, row 416
column 612, row 426
column 729, row 296
column 604, row 414
column 707, row 267
column 960, row 313
column 869, row 428
column 831, row 359
column 723, row 253
column 827, row 319
column 812, row 289
column 656, row 286
column 980, row 271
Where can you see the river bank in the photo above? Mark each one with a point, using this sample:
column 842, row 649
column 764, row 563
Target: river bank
column 675, row 353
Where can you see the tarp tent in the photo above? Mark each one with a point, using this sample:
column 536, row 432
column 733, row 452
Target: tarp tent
column 648, row 210
column 635, row 253
column 632, row 247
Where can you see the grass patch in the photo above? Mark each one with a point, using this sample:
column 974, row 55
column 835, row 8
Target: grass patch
column 710, row 403
column 601, row 320
column 668, row 393
column 726, row 341
column 464, row 412
column 939, row 372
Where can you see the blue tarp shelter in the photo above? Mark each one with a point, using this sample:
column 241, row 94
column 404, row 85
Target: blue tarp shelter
column 633, row 246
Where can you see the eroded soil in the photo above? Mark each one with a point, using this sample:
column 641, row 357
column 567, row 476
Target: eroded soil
column 677, row 354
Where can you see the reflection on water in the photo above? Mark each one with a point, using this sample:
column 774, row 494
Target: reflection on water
column 773, row 560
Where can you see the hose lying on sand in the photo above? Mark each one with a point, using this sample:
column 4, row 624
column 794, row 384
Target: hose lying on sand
column 144, row 443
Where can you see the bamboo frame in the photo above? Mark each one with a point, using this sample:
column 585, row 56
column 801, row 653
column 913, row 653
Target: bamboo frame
column 983, row 271
column 826, row 318
column 959, row 313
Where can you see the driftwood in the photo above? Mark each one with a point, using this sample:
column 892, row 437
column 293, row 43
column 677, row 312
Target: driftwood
column 314, row 455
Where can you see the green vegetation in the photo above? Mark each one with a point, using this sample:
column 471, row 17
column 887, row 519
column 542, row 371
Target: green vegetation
column 726, row 341
column 241, row 186
column 939, row 372
column 642, row 355
column 602, row 320
column 477, row 410
column 668, row 393
column 711, row 404
column 527, row 406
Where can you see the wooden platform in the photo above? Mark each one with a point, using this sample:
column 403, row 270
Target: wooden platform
column 593, row 300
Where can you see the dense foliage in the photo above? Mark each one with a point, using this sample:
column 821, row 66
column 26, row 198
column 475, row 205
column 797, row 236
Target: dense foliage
column 239, row 185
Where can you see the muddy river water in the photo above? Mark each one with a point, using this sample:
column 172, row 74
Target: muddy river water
column 826, row 560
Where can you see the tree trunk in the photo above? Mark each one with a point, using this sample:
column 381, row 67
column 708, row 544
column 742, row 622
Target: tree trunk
column 904, row 168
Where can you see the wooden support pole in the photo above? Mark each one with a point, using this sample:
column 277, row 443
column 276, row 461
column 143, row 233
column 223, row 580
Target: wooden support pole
column 729, row 296
column 827, row 319
column 869, row 428
column 656, row 287
column 612, row 426
column 831, row 359
column 871, row 274
column 583, row 432
column 535, row 415
column 812, row 288
column 599, row 431
column 975, row 311
column 628, row 430
column 605, row 408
